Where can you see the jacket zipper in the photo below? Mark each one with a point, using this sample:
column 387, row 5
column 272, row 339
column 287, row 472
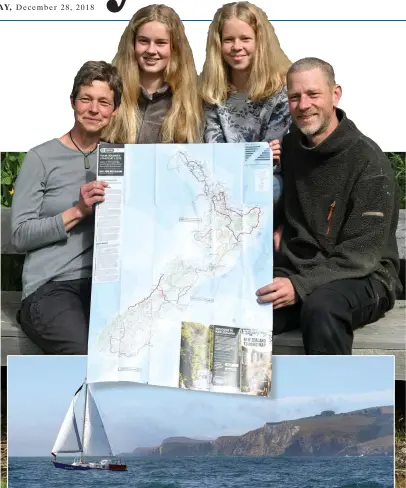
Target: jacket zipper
column 330, row 217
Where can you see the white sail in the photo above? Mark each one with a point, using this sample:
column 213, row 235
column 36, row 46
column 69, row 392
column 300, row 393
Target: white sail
column 95, row 442
column 68, row 439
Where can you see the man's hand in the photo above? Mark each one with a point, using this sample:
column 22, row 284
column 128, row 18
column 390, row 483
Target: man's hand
column 90, row 193
column 280, row 293
column 275, row 146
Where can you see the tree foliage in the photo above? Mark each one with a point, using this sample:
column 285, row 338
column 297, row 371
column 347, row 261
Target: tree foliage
column 10, row 166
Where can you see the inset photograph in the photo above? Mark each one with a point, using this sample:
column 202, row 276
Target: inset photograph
column 328, row 418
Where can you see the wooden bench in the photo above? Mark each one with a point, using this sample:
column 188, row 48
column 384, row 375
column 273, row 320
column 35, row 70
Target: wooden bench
column 384, row 337
column 387, row 336
column 13, row 339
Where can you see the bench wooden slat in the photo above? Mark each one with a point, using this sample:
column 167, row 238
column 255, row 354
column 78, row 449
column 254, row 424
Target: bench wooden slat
column 19, row 346
column 10, row 298
column 10, row 303
column 388, row 333
column 13, row 339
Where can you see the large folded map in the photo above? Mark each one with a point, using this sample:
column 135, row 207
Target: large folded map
column 182, row 242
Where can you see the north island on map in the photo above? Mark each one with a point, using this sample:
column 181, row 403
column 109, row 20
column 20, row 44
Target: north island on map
column 182, row 242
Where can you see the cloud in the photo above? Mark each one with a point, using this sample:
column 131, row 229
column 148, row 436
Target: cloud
column 283, row 408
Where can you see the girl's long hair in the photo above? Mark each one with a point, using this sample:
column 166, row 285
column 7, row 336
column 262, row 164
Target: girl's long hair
column 269, row 66
column 183, row 123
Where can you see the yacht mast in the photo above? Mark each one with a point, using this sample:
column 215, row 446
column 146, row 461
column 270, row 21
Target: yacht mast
column 84, row 421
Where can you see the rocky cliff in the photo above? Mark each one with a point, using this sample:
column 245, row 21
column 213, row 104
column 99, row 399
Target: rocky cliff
column 361, row 432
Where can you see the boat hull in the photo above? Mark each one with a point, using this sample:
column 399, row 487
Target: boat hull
column 117, row 467
column 71, row 467
column 86, row 467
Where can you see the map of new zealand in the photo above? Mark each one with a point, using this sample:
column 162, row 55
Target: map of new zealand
column 182, row 242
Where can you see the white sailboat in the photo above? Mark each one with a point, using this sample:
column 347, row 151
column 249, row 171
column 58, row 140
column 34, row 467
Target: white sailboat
column 94, row 441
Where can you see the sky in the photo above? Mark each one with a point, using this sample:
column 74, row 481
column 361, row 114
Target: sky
column 40, row 389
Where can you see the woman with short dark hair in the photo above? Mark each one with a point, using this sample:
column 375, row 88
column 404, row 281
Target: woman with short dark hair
column 52, row 217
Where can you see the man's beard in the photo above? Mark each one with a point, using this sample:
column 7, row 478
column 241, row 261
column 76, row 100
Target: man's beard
column 314, row 130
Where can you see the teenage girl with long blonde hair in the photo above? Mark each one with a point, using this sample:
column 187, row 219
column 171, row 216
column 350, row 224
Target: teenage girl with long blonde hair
column 243, row 82
column 160, row 101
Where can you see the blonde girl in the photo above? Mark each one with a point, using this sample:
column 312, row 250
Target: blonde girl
column 243, row 82
column 160, row 100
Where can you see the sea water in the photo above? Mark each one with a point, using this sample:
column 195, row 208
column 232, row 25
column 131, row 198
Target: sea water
column 216, row 472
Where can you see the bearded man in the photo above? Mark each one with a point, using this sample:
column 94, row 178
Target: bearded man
column 337, row 265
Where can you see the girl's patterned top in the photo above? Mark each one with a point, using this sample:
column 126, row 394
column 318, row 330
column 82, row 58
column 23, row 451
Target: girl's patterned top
column 241, row 120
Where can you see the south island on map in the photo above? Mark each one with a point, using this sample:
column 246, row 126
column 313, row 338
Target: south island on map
column 183, row 240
